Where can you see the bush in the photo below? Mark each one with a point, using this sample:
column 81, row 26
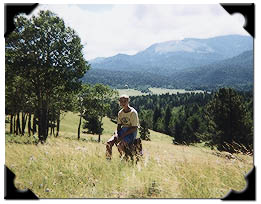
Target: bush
column 144, row 131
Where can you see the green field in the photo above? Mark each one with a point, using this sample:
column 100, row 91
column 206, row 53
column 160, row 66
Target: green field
column 158, row 91
column 65, row 167
column 172, row 91
column 131, row 92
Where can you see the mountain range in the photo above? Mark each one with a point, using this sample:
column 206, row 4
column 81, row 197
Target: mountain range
column 236, row 72
column 178, row 62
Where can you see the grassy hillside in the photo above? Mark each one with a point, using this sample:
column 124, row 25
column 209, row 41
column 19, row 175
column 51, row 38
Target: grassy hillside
column 67, row 168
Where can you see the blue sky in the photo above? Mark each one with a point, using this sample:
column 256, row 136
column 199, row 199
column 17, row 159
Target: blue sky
column 109, row 29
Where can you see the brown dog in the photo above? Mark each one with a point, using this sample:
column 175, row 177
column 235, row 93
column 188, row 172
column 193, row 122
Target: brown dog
column 134, row 149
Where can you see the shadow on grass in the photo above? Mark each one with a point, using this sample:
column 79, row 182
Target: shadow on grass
column 33, row 139
column 21, row 139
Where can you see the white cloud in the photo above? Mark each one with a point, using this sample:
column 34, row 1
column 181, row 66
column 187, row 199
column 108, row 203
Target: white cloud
column 131, row 28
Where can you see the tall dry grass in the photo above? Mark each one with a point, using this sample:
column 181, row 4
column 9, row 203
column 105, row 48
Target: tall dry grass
column 65, row 167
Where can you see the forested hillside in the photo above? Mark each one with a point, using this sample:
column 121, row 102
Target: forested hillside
column 135, row 80
column 236, row 72
column 222, row 118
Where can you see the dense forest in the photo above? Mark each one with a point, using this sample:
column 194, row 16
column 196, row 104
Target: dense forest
column 223, row 119
column 236, row 72
column 119, row 79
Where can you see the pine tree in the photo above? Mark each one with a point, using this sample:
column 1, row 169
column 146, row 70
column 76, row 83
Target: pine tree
column 167, row 120
column 230, row 116
column 144, row 131
column 93, row 124
column 156, row 116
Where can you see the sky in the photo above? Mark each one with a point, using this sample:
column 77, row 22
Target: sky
column 110, row 29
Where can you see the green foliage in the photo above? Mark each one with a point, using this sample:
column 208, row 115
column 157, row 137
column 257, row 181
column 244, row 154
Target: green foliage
column 93, row 124
column 188, row 125
column 167, row 120
column 231, row 120
column 157, row 119
column 144, row 130
column 164, row 112
column 114, row 109
column 95, row 104
column 223, row 119
column 147, row 117
column 44, row 63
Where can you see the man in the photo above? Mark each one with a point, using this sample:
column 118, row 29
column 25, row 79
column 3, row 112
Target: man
column 128, row 122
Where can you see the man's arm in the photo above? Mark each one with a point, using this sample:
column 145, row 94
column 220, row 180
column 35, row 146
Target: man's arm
column 118, row 127
column 129, row 131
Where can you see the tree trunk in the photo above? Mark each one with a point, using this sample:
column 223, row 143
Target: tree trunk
column 47, row 129
column 43, row 127
column 34, row 124
column 79, row 127
column 24, row 119
column 47, row 123
column 39, row 114
column 52, row 128
column 14, row 124
column 29, row 124
column 18, row 128
column 42, row 118
column 58, row 125
column 52, row 123
column 23, row 126
column 99, row 137
column 40, row 131
column 11, row 124
column 44, row 122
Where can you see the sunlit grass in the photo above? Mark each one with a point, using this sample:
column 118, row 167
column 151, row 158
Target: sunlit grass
column 65, row 167
column 130, row 92
column 158, row 91
column 171, row 91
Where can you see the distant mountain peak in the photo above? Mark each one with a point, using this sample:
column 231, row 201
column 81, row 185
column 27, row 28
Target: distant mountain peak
column 165, row 57
column 97, row 60
column 186, row 45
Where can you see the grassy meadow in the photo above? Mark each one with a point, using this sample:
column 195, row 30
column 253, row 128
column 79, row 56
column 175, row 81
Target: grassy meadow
column 65, row 167
column 171, row 91
column 131, row 92
column 158, row 91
